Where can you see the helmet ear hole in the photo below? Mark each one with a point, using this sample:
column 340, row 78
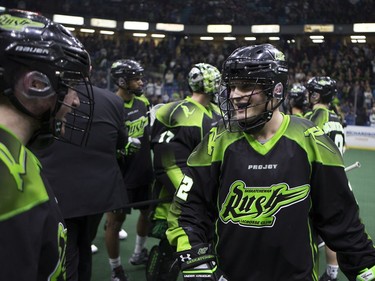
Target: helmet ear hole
column 278, row 91
column 34, row 93
column 37, row 85
column 315, row 96
column 122, row 82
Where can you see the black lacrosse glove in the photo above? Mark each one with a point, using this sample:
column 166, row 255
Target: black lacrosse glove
column 199, row 264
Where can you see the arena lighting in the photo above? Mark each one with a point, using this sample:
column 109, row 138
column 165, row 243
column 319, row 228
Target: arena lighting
column 139, row 34
column 103, row 23
column 206, row 38
column 318, row 41
column 229, row 38
column 70, row 28
column 364, row 27
column 2, row 8
column 219, row 28
column 358, row 40
column 250, row 38
column 308, row 28
column 316, row 37
column 87, row 30
column 107, row 32
column 357, row 37
column 266, row 28
column 274, row 38
column 154, row 35
column 136, row 25
column 68, row 19
column 170, row 27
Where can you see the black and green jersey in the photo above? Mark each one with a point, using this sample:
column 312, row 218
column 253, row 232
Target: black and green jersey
column 263, row 205
column 330, row 123
column 32, row 230
column 137, row 168
column 179, row 127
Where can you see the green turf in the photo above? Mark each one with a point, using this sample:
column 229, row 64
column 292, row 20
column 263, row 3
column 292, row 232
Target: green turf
column 101, row 270
column 362, row 181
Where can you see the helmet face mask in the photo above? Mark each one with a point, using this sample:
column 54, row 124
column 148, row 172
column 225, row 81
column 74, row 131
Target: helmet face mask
column 260, row 69
column 323, row 85
column 39, row 62
column 205, row 79
column 124, row 71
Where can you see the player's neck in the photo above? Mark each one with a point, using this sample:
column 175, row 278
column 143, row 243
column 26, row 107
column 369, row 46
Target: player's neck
column 19, row 124
column 270, row 128
column 201, row 98
column 296, row 111
column 320, row 105
column 125, row 95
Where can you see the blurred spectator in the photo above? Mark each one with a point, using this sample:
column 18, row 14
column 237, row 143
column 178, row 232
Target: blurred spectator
column 369, row 100
column 372, row 117
column 362, row 119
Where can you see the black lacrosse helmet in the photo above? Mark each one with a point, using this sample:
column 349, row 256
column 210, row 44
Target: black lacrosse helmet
column 35, row 47
column 124, row 70
column 323, row 85
column 258, row 65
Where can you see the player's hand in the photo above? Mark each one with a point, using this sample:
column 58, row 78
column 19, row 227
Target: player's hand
column 367, row 274
column 133, row 146
column 198, row 264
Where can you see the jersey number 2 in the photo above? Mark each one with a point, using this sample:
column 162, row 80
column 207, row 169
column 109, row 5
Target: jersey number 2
column 184, row 188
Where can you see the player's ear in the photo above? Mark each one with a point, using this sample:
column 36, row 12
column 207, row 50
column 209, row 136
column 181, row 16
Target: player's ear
column 315, row 97
column 122, row 82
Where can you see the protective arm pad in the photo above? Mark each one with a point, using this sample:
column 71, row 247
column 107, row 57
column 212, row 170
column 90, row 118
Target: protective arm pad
column 366, row 274
column 199, row 264
column 194, row 262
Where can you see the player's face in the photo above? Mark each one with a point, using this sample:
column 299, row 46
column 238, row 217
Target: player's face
column 314, row 97
column 71, row 100
column 136, row 83
column 248, row 99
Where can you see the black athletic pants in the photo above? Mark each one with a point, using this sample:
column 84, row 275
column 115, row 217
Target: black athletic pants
column 81, row 233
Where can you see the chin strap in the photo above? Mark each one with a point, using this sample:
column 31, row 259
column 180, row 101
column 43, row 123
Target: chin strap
column 12, row 98
column 44, row 136
column 258, row 123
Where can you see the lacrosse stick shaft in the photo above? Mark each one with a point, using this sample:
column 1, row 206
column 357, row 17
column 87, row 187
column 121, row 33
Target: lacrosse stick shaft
column 353, row 166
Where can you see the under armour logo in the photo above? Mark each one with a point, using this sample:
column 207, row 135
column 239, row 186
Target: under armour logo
column 186, row 258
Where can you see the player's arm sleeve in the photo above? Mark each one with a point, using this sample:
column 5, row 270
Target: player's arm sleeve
column 20, row 245
column 171, row 147
column 319, row 117
column 122, row 131
column 336, row 216
column 191, row 216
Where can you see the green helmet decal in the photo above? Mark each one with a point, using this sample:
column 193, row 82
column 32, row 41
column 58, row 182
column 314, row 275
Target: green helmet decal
column 10, row 22
column 204, row 78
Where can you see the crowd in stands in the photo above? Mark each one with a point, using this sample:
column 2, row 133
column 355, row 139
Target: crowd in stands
column 166, row 65
column 196, row 12
column 167, row 61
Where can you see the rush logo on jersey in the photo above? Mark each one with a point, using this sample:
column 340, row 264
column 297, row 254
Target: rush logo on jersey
column 136, row 127
column 258, row 206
